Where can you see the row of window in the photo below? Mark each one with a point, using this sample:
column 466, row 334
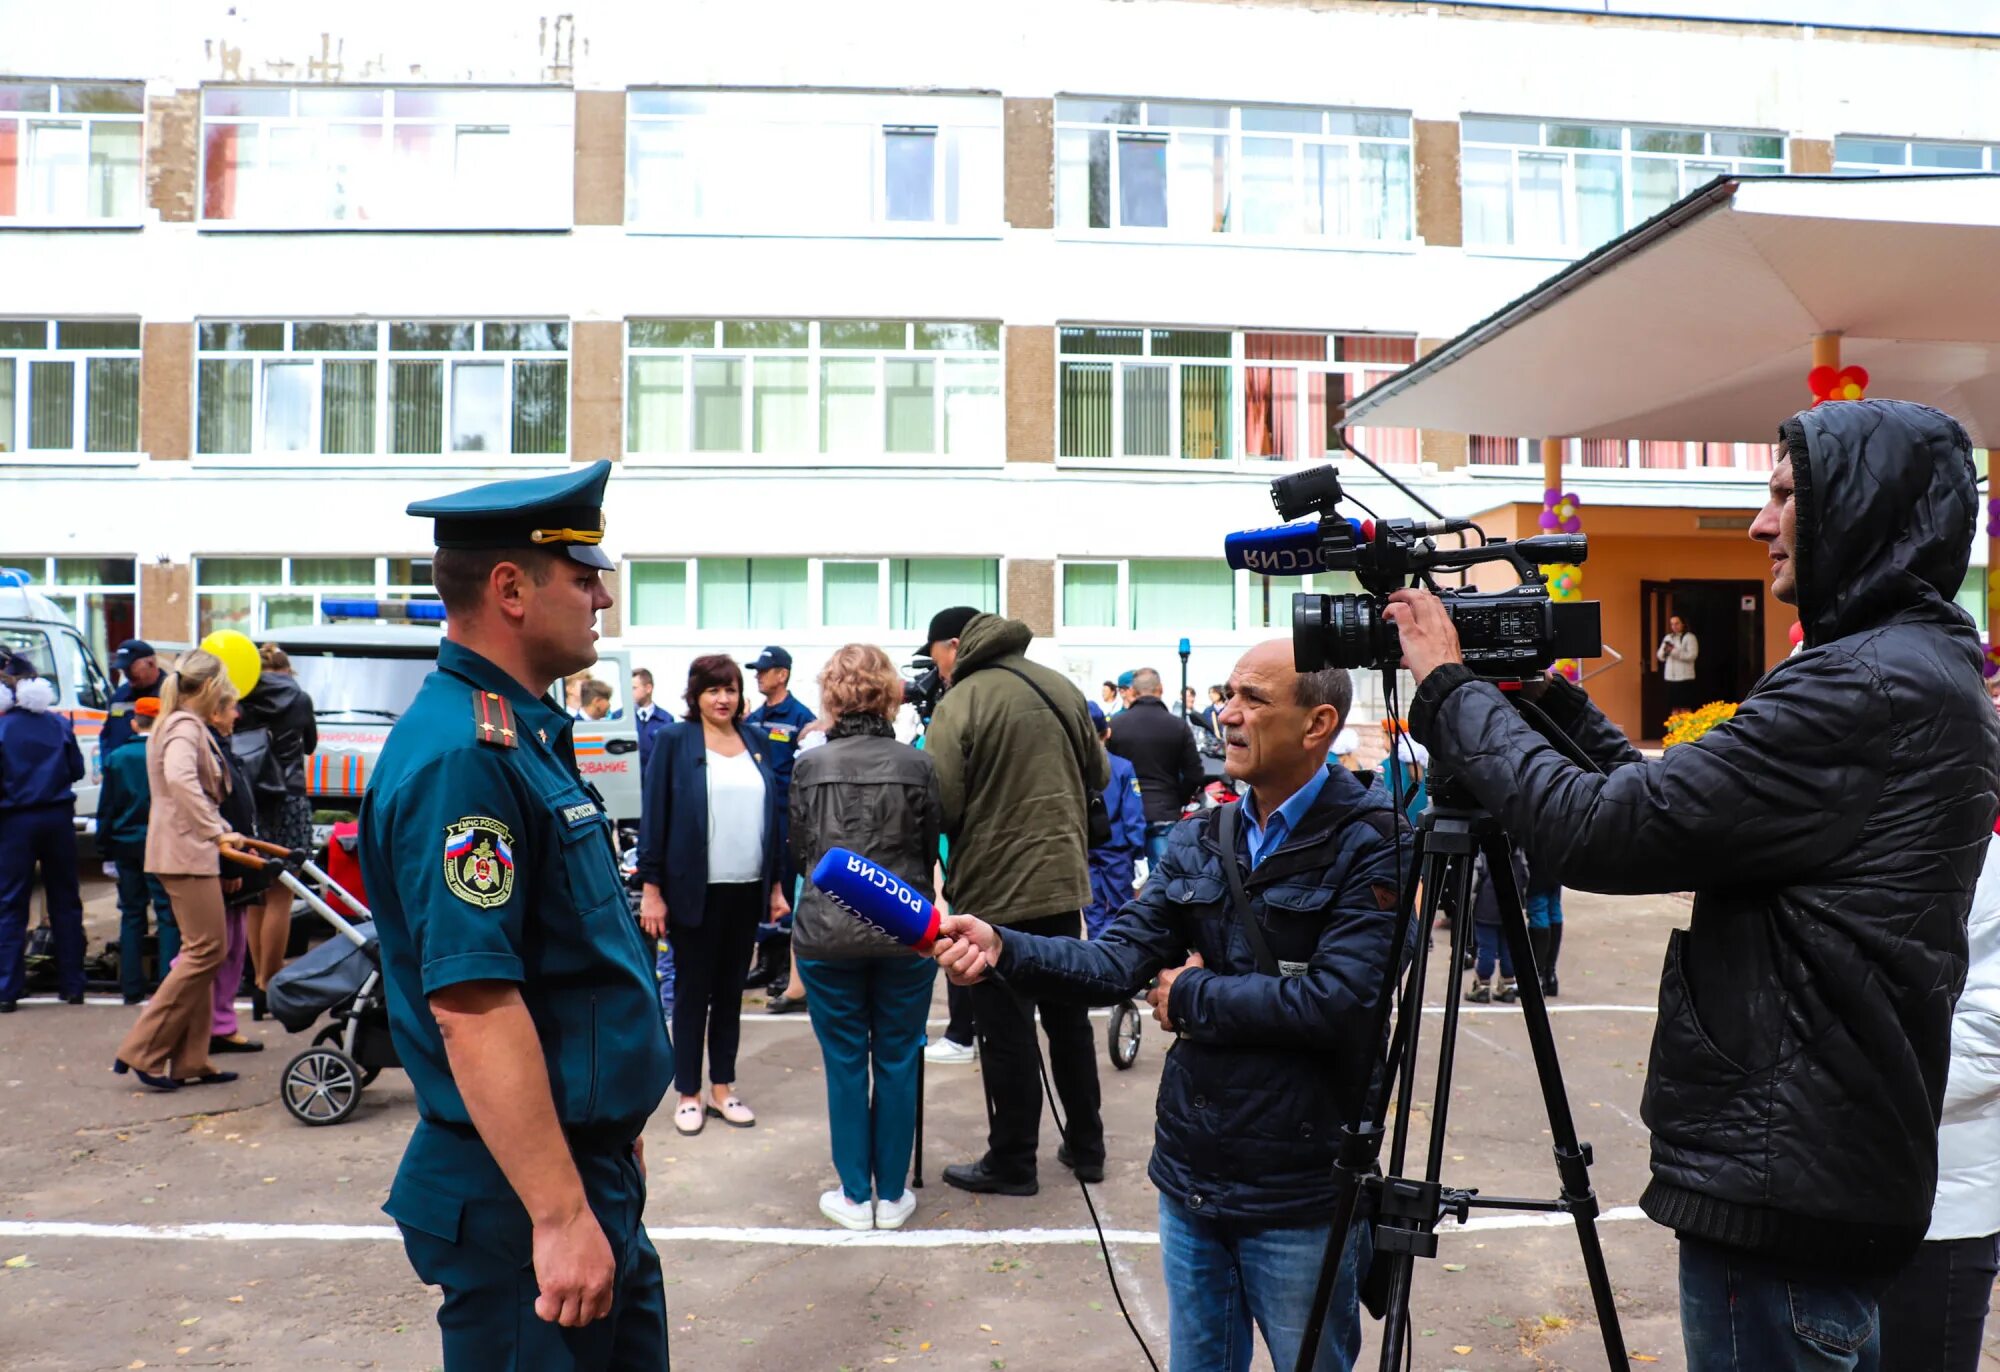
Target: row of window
column 832, row 163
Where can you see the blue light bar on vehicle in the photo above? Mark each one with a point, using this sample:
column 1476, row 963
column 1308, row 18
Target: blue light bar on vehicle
column 409, row 611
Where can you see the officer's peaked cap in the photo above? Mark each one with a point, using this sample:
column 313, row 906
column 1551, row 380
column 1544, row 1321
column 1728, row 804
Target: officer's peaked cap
column 563, row 513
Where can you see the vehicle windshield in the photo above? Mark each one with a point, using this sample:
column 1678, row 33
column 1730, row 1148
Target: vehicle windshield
column 377, row 687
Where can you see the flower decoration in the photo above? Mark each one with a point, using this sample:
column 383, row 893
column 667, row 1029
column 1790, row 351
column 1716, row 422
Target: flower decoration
column 1568, row 668
column 1798, row 633
column 1993, row 584
column 1565, row 581
column 1561, row 511
column 1990, row 666
column 1848, row 383
column 1685, row 726
column 1993, row 517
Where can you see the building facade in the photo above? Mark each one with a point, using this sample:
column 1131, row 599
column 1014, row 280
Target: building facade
column 878, row 312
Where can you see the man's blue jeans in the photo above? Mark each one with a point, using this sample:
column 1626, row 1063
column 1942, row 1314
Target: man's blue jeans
column 135, row 889
column 1744, row 1314
column 1222, row 1275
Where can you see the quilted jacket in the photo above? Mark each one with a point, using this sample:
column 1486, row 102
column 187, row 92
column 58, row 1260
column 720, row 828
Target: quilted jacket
column 1832, row 833
column 1265, row 1069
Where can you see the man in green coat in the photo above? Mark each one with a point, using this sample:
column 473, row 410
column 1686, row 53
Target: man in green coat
column 1017, row 760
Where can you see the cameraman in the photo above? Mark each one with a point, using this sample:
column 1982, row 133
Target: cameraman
column 1269, row 1063
column 1832, row 832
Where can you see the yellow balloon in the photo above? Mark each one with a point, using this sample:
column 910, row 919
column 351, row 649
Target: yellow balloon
column 239, row 658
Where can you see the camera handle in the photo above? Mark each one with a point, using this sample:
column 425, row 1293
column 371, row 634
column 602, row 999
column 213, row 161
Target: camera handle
column 1404, row 1211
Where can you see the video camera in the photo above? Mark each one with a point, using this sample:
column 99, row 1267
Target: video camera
column 924, row 687
column 1510, row 635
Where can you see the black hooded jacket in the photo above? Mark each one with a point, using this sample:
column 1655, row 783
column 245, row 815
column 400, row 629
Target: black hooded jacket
column 1832, row 832
column 278, row 703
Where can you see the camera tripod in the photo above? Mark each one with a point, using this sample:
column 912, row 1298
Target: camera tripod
column 1405, row 1211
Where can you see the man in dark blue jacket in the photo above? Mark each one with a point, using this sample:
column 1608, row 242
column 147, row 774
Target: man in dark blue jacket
column 40, row 765
column 1268, row 1066
column 141, row 668
column 649, row 717
column 1113, row 863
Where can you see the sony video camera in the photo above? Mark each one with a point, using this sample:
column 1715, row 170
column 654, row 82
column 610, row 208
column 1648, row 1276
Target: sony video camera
column 1510, row 635
column 924, row 687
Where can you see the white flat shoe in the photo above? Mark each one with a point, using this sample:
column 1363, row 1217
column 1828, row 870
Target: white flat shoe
column 847, row 1214
column 891, row 1214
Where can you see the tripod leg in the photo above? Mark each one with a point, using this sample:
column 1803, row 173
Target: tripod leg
column 1572, row 1158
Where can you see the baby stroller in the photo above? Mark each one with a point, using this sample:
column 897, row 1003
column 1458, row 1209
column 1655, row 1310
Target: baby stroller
column 342, row 979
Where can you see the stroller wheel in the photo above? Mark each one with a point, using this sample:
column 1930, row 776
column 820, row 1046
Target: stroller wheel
column 330, row 1037
column 321, row 1086
column 1122, row 1038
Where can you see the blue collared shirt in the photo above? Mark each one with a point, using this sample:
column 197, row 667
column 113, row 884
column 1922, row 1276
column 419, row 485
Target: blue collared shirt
column 1266, row 837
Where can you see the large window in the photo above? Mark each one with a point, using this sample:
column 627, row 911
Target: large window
column 1617, row 454
column 1164, row 596
column 1213, row 394
column 328, row 157
column 854, row 389
column 100, row 594
column 1566, row 188
column 70, row 152
column 69, row 386
column 402, row 388
column 810, row 163
column 1268, row 171
column 1877, row 156
column 892, row 594
column 261, row 595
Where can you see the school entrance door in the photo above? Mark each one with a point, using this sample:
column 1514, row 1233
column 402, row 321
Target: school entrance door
column 1727, row 620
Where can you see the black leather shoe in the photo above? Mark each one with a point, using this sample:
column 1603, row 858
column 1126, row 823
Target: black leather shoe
column 1085, row 1171
column 220, row 1044
column 974, row 1176
column 782, row 1004
column 8, row 1007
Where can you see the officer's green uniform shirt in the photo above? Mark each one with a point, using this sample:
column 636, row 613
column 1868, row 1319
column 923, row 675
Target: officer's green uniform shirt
column 489, row 858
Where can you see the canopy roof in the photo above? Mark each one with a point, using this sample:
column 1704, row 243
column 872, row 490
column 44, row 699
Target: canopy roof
column 1698, row 324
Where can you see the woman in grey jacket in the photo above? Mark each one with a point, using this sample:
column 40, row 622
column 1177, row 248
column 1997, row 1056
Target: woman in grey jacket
column 868, row 996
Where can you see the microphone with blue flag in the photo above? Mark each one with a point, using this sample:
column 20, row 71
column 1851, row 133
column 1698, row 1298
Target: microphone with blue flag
column 878, row 898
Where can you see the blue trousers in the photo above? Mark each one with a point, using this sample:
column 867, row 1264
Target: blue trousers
column 1110, row 888
column 135, row 891
column 1545, row 907
column 1222, row 1275
column 1743, row 1314
column 43, row 837
column 1491, row 948
column 870, row 1011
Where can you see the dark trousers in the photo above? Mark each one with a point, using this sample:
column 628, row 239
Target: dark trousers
column 708, row 982
column 1006, row 1025
column 1740, row 1313
column 868, row 1013
column 1491, row 948
column 1935, row 1314
column 960, row 1028
column 43, row 837
column 135, row 891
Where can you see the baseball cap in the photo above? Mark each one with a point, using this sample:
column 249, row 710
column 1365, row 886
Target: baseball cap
column 1125, row 681
column 948, row 624
column 130, row 651
column 149, row 706
column 772, row 656
column 1096, row 716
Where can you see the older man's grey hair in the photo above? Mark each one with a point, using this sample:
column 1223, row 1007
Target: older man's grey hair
column 1329, row 686
column 1146, row 682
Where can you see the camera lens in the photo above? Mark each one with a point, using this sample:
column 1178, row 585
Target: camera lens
column 1340, row 631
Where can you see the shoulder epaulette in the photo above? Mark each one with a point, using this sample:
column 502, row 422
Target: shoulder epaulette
column 494, row 719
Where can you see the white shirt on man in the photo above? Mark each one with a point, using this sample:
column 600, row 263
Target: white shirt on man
column 735, row 818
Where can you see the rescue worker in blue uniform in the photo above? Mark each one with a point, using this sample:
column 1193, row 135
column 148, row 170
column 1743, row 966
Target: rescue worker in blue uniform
column 1112, row 865
column 520, row 990
column 782, row 717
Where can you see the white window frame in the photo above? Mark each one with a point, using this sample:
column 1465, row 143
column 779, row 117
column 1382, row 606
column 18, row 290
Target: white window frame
column 52, row 113
column 76, row 455
column 383, row 356
column 1237, row 363
column 952, row 117
column 42, row 568
column 1626, row 155
column 527, row 204
column 378, row 588
column 1232, row 134
column 814, row 354
column 1989, row 157
column 817, row 632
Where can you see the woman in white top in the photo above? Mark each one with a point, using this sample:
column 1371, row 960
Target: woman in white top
column 1677, row 652
column 708, row 858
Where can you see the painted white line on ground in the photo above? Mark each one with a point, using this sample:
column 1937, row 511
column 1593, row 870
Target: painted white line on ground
column 226, row 1232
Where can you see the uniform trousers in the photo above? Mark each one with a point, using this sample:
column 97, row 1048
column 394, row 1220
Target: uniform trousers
column 171, row 1033
column 45, row 837
column 709, row 959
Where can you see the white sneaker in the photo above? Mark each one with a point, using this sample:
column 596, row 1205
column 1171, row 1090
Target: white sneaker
column 944, row 1050
column 891, row 1214
column 837, row 1207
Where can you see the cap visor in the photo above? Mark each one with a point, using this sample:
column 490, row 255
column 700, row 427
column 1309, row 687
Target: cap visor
column 590, row 555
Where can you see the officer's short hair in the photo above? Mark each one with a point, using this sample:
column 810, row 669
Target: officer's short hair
column 1146, row 682
column 646, row 672
column 593, row 689
column 460, row 574
column 1332, row 686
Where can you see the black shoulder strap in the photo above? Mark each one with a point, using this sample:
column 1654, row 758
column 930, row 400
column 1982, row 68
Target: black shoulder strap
column 1060, row 721
column 1226, row 820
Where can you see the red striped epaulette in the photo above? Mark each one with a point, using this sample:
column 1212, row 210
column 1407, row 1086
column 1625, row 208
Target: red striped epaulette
column 494, row 719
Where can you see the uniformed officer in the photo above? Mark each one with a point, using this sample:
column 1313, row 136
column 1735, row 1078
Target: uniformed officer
column 783, row 717
column 521, row 992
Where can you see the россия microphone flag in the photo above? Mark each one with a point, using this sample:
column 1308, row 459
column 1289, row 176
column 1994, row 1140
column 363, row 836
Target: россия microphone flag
column 878, row 898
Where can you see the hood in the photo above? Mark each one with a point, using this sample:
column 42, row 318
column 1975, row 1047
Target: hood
column 35, row 696
column 988, row 638
column 1886, row 512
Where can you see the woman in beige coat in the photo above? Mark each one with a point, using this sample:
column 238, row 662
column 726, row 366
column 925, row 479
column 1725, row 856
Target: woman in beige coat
column 168, row 1048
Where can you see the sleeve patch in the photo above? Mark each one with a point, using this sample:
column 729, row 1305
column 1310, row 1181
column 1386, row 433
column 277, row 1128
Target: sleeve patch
column 479, row 861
